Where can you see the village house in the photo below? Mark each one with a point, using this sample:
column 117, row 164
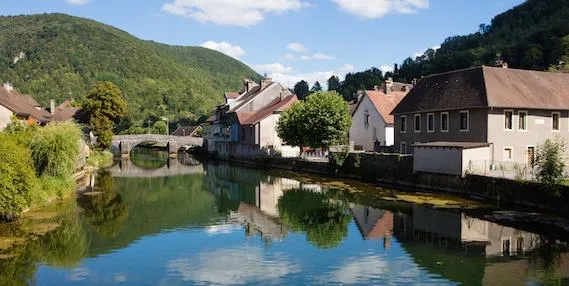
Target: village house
column 21, row 106
column 502, row 113
column 372, row 122
column 183, row 131
column 245, row 125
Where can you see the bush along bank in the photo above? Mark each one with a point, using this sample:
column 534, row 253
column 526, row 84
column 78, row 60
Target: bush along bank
column 37, row 165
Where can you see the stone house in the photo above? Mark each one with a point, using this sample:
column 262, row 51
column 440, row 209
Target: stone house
column 511, row 110
column 245, row 125
column 372, row 122
column 23, row 107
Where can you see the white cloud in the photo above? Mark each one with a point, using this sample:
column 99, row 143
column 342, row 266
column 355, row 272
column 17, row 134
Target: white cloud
column 306, row 58
column 371, row 9
column 321, row 56
column 418, row 54
column 247, row 265
column 77, row 2
column 243, row 13
column 386, row 68
column 273, row 68
column 290, row 79
column 289, row 57
column 226, row 48
column 297, row 47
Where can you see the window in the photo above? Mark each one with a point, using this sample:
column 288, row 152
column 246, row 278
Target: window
column 520, row 245
column 366, row 120
column 531, row 156
column 508, row 153
column 464, row 124
column 431, row 122
column 417, row 123
column 555, row 121
column 523, row 120
column 508, row 120
column 506, row 244
column 403, row 148
column 403, row 123
column 444, row 122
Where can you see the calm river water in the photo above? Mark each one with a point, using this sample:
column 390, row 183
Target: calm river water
column 154, row 221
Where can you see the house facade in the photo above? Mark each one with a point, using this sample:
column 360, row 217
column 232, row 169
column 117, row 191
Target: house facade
column 511, row 110
column 21, row 106
column 245, row 125
column 372, row 122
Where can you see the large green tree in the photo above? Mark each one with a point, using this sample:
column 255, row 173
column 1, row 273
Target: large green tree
column 104, row 107
column 316, row 87
column 334, row 83
column 320, row 121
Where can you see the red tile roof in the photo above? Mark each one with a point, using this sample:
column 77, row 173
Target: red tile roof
column 231, row 95
column 254, row 117
column 384, row 103
column 65, row 112
column 22, row 104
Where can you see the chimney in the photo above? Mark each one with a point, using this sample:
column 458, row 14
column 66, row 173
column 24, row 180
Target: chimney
column 265, row 82
column 504, row 65
column 8, row 86
column 248, row 85
column 414, row 82
column 387, row 86
column 52, row 107
column 376, row 87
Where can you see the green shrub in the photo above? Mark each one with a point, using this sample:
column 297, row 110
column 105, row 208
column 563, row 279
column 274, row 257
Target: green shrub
column 54, row 187
column 17, row 178
column 100, row 159
column 549, row 161
column 56, row 149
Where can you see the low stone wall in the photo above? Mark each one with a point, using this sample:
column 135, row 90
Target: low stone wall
column 397, row 171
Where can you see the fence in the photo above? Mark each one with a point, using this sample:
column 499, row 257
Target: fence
column 501, row 169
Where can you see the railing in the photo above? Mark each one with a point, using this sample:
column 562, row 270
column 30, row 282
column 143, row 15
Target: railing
column 502, row 169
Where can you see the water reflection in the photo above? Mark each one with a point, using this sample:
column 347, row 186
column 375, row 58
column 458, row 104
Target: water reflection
column 188, row 223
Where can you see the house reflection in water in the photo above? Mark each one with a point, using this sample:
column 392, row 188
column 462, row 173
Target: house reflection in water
column 373, row 224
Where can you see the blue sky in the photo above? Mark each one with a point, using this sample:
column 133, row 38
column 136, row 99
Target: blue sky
column 288, row 39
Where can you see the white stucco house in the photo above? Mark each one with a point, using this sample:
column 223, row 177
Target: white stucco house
column 372, row 123
column 245, row 125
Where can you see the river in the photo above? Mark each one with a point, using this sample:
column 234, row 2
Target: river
column 155, row 221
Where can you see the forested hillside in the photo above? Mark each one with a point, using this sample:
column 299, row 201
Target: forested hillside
column 533, row 35
column 63, row 55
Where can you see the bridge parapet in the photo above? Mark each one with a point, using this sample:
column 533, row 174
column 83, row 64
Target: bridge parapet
column 125, row 143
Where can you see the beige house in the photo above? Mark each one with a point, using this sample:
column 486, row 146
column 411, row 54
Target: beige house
column 372, row 122
column 511, row 110
column 245, row 125
column 23, row 107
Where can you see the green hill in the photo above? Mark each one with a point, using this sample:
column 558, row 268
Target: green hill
column 64, row 55
column 533, row 35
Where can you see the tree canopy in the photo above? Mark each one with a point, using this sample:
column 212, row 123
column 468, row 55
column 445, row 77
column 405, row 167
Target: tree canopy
column 104, row 107
column 320, row 121
column 301, row 89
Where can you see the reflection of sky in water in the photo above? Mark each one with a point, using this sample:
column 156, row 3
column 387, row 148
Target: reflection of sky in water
column 222, row 255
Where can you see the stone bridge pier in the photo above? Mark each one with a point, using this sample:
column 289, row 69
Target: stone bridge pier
column 125, row 143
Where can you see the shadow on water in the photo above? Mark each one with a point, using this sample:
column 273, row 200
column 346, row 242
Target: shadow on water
column 346, row 236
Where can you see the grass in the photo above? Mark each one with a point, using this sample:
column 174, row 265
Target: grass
column 100, row 159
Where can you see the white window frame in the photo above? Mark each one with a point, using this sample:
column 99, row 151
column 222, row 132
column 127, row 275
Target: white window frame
column 526, row 121
column 511, row 153
column 429, row 115
column 401, row 149
column 527, row 153
column 511, row 120
column 401, row 125
column 558, row 123
column 448, row 122
column 467, row 112
column 415, row 123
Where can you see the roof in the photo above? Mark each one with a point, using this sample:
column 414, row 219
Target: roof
column 384, row 103
column 244, row 99
column 231, row 95
column 211, row 118
column 484, row 87
column 22, row 104
column 65, row 112
column 460, row 145
column 254, row 117
column 185, row 130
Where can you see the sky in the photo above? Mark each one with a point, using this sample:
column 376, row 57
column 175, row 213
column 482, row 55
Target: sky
column 289, row 40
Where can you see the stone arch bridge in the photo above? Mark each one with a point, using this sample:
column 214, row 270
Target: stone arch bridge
column 125, row 143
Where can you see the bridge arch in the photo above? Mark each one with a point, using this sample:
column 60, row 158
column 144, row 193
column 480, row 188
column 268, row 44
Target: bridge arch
column 125, row 143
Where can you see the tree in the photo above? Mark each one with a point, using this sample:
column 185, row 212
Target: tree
column 104, row 107
column 56, row 148
column 316, row 87
column 549, row 161
column 334, row 83
column 160, row 127
column 301, row 89
column 320, row 121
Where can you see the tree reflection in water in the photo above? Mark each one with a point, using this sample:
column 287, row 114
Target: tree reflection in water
column 106, row 210
column 324, row 217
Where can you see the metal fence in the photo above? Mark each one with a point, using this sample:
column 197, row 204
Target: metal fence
column 502, row 169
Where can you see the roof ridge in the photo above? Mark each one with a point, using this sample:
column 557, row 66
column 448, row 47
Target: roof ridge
column 453, row 71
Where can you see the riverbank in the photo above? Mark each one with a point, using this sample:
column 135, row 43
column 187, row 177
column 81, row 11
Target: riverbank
column 397, row 172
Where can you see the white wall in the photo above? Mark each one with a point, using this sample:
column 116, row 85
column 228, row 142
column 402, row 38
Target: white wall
column 363, row 136
column 438, row 160
column 389, row 136
column 475, row 156
column 269, row 136
column 5, row 117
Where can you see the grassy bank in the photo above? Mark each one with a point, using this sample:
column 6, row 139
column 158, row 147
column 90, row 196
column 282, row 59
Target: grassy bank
column 37, row 166
column 100, row 159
